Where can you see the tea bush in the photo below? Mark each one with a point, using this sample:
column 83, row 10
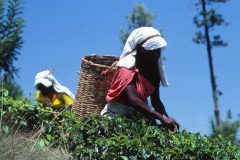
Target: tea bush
column 47, row 123
column 95, row 137
column 122, row 138
column 18, row 138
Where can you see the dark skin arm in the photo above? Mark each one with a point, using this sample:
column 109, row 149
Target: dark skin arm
column 159, row 112
column 159, row 107
column 146, row 62
column 157, row 103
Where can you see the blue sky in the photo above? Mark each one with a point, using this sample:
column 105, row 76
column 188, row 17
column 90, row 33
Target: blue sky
column 57, row 34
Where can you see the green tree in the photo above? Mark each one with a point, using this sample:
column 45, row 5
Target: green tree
column 11, row 26
column 14, row 89
column 207, row 20
column 227, row 128
column 139, row 17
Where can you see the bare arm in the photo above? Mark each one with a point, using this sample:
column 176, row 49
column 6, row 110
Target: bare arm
column 157, row 103
column 138, row 104
column 159, row 107
column 159, row 112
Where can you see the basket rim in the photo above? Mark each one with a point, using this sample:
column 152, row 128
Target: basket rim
column 98, row 65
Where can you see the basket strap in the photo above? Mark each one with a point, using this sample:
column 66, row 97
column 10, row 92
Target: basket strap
column 114, row 64
column 140, row 44
column 103, row 73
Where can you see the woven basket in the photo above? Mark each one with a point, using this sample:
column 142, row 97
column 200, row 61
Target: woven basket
column 93, row 84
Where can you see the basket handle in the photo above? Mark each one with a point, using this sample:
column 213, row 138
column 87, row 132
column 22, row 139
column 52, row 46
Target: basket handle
column 103, row 73
column 114, row 64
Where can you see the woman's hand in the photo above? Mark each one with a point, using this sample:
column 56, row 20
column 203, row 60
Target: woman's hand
column 170, row 123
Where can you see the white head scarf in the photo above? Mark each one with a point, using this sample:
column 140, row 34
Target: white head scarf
column 127, row 59
column 47, row 79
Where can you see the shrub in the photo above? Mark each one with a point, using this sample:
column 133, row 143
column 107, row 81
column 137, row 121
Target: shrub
column 138, row 139
column 95, row 137
column 17, row 143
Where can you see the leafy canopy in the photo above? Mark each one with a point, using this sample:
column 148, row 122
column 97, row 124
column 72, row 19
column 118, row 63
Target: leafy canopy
column 139, row 17
column 11, row 26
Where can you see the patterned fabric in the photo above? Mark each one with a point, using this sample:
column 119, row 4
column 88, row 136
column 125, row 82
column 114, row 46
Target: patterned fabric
column 122, row 78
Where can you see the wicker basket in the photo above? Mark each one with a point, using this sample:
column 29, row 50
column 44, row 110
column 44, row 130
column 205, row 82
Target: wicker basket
column 93, row 84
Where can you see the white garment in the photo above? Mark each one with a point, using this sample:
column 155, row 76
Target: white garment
column 136, row 37
column 114, row 107
column 47, row 79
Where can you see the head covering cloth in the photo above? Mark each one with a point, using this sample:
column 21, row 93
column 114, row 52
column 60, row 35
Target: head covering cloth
column 47, row 79
column 150, row 39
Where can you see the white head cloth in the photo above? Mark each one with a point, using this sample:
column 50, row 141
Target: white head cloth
column 127, row 59
column 47, row 79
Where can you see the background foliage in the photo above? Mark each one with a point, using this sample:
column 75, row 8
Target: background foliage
column 139, row 17
column 228, row 128
column 206, row 20
column 11, row 26
column 11, row 85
